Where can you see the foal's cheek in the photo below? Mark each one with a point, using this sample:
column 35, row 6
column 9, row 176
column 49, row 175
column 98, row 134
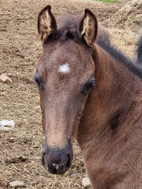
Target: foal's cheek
column 41, row 107
column 75, row 129
column 74, row 134
column 76, row 125
column 42, row 121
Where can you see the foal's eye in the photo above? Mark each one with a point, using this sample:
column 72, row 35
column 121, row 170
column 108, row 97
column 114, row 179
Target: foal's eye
column 88, row 86
column 39, row 81
column 40, row 84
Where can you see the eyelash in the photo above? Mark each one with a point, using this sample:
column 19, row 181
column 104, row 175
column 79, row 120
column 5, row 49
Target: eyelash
column 88, row 87
column 39, row 83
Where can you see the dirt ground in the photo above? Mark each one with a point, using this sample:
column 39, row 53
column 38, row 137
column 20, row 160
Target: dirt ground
column 20, row 149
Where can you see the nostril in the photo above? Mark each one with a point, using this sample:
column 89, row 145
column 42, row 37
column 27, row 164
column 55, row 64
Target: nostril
column 68, row 161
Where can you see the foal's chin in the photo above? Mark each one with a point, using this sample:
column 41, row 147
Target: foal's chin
column 56, row 169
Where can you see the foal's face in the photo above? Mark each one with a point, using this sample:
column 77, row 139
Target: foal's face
column 65, row 76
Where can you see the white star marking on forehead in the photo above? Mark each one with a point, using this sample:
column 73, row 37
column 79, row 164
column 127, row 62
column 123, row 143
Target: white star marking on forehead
column 65, row 68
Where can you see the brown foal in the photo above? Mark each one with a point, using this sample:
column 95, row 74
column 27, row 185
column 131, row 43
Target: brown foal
column 92, row 92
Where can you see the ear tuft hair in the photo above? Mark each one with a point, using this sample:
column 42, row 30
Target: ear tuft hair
column 89, row 27
column 46, row 23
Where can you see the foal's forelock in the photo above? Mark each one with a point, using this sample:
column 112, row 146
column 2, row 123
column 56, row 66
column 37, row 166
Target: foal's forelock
column 67, row 29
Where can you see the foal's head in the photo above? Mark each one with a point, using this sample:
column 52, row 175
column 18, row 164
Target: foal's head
column 65, row 76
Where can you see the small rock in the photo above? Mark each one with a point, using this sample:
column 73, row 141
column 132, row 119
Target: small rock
column 36, row 145
column 86, row 182
column 22, row 158
column 7, row 125
column 11, row 160
column 17, row 184
column 5, row 78
column 11, row 139
column 16, row 160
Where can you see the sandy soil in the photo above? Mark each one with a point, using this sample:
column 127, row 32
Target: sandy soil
column 20, row 149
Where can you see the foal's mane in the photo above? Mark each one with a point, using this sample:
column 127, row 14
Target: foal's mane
column 118, row 55
column 68, row 29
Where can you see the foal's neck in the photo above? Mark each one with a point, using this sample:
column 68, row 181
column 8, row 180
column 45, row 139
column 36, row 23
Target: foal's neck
column 109, row 104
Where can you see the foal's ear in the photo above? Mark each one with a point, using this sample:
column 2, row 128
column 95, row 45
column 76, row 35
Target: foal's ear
column 89, row 27
column 46, row 23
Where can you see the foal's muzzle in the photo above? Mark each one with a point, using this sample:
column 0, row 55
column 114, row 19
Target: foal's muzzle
column 56, row 160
